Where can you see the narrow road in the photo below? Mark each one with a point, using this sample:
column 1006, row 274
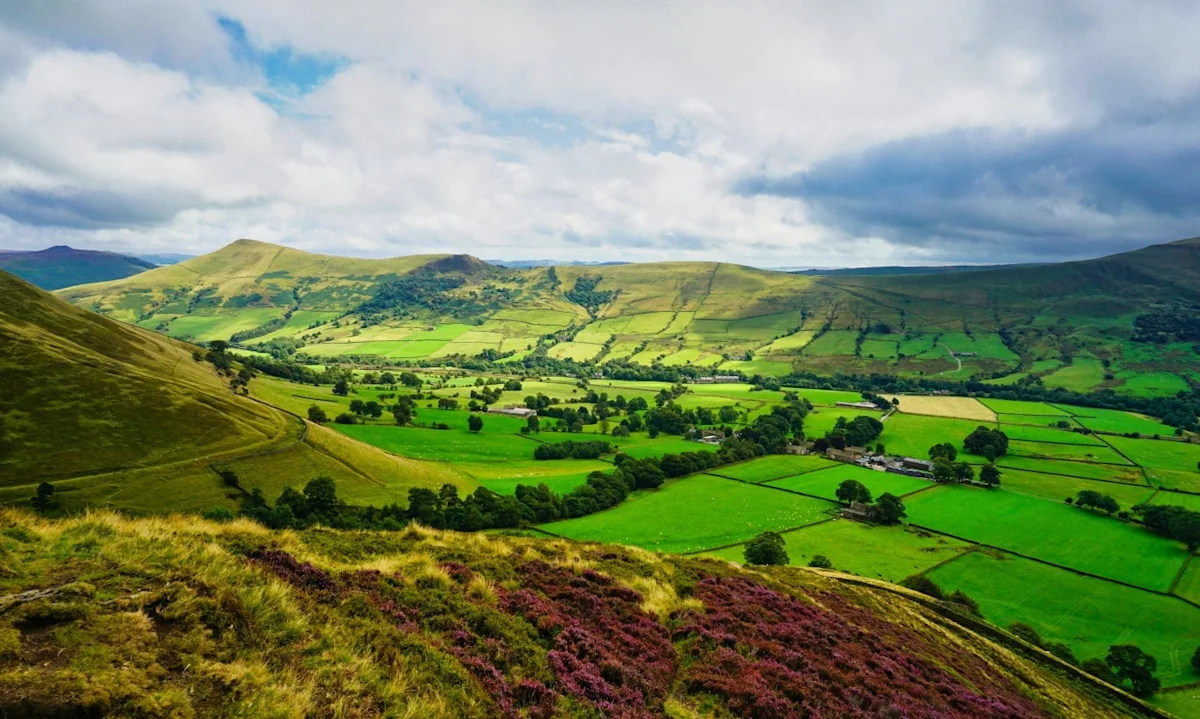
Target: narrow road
column 956, row 359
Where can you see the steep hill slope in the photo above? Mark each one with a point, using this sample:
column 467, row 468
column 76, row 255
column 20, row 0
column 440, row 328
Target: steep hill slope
column 113, row 414
column 179, row 617
column 62, row 266
column 1072, row 324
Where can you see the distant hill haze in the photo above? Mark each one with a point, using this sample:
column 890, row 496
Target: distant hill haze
column 982, row 322
column 61, row 266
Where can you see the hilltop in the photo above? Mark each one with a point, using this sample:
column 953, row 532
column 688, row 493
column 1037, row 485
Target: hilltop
column 1073, row 325
column 61, row 266
column 116, row 415
column 175, row 617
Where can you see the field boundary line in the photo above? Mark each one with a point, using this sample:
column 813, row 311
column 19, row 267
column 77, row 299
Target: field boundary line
column 770, row 486
column 1077, row 461
column 1145, row 474
column 1179, row 574
column 1075, row 476
column 789, row 476
column 970, row 550
column 790, row 530
column 1048, row 563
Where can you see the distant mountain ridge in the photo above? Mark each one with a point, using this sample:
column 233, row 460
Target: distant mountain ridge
column 62, row 266
column 902, row 270
column 1016, row 320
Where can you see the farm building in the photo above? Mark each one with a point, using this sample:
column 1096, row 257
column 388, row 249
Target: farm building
column 857, row 405
column 923, row 465
column 849, row 454
column 513, row 411
column 718, row 379
column 857, row 510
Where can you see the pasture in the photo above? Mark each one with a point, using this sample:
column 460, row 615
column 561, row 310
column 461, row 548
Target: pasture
column 772, row 466
column 824, row 482
column 1086, row 614
column 1054, row 532
column 694, row 513
column 889, row 553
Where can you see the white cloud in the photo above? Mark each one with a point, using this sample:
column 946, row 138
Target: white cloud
column 135, row 119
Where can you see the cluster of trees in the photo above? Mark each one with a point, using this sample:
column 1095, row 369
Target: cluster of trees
column 1091, row 499
column 858, row 432
column 888, row 509
column 945, row 469
column 420, row 291
column 571, row 449
column 989, row 443
column 585, row 294
column 1178, row 523
column 1162, row 327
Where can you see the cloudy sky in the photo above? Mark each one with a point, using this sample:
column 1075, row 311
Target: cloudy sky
column 801, row 134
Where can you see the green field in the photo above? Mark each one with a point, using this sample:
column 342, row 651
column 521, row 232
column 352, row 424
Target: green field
column 912, row 435
column 1111, row 420
column 1057, row 488
column 1086, row 614
column 1082, row 375
column 694, row 513
column 1086, row 470
column 1074, row 538
column 890, row 553
column 1100, row 454
column 773, row 466
column 1047, row 434
column 1012, row 406
column 1168, row 464
column 824, row 483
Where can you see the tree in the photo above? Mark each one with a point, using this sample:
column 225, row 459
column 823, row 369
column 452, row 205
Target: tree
column 218, row 514
column 964, row 472
column 43, row 499
column 943, row 470
column 820, row 561
column 1129, row 662
column 990, row 443
column 402, row 412
column 990, row 475
column 533, row 423
column 1196, row 660
column 341, row 388
column 357, row 407
column 1097, row 668
column 228, row 477
column 474, row 423
column 727, row 414
column 852, row 490
column 945, row 451
column 620, row 431
column 320, row 495
column 888, row 509
column 316, row 414
column 767, row 548
column 345, row 418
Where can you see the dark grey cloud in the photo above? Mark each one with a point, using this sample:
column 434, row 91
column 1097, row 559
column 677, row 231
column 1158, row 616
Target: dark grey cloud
column 980, row 195
column 88, row 209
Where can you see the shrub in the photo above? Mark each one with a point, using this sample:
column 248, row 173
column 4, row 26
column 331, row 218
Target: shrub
column 218, row 514
column 924, row 585
column 820, row 561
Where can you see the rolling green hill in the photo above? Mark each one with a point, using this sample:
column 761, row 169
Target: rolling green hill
column 115, row 415
column 105, row 615
column 61, row 266
column 1070, row 324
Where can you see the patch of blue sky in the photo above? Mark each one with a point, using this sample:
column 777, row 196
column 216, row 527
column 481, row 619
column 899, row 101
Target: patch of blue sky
column 288, row 73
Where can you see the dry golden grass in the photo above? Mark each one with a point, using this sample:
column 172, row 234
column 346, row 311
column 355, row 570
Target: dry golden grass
column 960, row 407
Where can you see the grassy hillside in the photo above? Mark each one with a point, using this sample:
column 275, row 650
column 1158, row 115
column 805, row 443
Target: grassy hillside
column 1068, row 325
column 115, row 415
column 174, row 617
column 63, row 266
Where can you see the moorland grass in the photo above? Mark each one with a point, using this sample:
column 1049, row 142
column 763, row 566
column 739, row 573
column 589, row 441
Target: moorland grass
column 694, row 513
column 1076, row 538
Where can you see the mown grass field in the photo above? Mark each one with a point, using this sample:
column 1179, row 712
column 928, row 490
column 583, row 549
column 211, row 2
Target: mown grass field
column 1051, row 531
column 773, row 466
column 1085, row 614
column 694, row 513
column 890, row 553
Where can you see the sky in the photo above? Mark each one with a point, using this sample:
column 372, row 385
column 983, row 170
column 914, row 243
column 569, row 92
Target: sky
column 776, row 134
